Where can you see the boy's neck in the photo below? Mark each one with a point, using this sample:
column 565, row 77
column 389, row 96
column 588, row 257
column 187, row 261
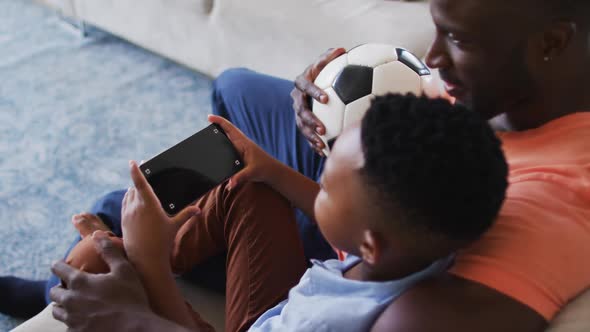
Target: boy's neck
column 364, row 272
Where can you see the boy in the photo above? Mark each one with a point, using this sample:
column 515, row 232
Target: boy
column 417, row 180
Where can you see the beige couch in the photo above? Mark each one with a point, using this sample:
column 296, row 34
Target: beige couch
column 278, row 37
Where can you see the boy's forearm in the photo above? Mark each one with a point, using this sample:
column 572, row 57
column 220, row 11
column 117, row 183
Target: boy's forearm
column 296, row 187
column 163, row 293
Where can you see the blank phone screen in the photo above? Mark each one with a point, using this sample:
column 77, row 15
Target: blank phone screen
column 188, row 170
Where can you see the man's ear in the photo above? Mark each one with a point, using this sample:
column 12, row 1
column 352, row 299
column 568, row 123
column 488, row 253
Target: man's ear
column 372, row 247
column 557, row 38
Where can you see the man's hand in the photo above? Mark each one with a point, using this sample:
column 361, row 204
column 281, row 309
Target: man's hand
column 99, row 302
column 259, row 164
column 309, row 125
column 148, row 232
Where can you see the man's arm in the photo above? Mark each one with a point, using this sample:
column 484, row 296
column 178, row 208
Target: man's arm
column 452, row 304
column 114, row 301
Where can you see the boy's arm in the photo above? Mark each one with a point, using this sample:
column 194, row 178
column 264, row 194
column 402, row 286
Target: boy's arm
column 163, row 293
column 148, row 234
column 296, row 187
column 261, row 167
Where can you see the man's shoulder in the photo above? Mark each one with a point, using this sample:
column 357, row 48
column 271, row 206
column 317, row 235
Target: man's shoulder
column 451, row 303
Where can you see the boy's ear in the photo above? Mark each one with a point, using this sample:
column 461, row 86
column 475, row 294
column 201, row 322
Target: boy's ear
column 372, row 247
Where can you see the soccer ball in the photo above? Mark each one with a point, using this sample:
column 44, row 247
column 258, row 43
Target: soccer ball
column 353, row 79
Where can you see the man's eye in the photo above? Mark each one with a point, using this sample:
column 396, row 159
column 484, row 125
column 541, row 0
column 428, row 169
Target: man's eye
column 453, row 39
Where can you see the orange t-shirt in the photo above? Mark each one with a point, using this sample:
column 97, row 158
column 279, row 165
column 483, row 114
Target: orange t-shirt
column 538, row 251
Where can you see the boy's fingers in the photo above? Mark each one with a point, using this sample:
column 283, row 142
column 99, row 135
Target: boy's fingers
column 185, row 215
column 141, row 185
column 230, row 130
column 239, row 178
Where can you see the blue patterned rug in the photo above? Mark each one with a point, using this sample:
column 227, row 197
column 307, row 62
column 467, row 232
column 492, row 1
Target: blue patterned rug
column 73, row 111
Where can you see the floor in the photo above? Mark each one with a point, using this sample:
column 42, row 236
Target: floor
column 73, row 111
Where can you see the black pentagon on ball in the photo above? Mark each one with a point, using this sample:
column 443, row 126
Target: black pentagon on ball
column 353, row 82
column 410, row 60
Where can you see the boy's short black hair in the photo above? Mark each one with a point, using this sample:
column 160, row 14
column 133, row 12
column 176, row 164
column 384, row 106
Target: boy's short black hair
column 439, row 164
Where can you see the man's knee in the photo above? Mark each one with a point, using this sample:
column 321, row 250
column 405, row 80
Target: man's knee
column 232, row 80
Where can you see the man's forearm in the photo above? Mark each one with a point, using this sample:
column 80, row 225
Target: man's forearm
column 296, row 187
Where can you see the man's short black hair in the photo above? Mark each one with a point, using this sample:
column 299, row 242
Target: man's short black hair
column 577, row 10
column 439, row 164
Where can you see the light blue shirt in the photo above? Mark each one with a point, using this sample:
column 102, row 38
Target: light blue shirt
column 326, row 301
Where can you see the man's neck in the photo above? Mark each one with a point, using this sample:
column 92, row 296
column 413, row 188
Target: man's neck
column 546, row 108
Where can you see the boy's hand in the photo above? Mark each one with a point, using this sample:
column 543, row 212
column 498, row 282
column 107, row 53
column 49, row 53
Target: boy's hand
column 309, row 125
column 148, row 233
column 259, row 165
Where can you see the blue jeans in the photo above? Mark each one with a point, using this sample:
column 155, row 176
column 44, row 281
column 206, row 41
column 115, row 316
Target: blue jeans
column 261, row 107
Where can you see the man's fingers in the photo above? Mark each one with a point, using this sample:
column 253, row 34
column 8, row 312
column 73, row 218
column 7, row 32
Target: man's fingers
column 110, row 253
column 312, row 137
column 309, row 133
column 60, row 313
column 312, row 128
column 305, row 117
column 328, row 56
column 64, row 271
column 57, row 294
column 304, row 84
column 311, row 120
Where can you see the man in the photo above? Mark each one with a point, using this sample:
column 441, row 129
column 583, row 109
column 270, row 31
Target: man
column 523, row 64
column 529, row 75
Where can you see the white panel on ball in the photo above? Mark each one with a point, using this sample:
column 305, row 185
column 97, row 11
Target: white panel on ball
column 331, row 114
column 395, row 77
column 330, row 71
column 355, row 111
column 432, row 85
column 372, row 55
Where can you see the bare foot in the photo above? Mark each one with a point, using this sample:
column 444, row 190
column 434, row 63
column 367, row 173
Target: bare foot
column 87, row 223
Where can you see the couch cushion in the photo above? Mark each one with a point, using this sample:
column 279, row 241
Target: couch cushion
column 575, row 317
column 275, row 37
column 209, row 304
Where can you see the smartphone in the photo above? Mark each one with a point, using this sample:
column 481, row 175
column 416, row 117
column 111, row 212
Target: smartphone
column 185, row 172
